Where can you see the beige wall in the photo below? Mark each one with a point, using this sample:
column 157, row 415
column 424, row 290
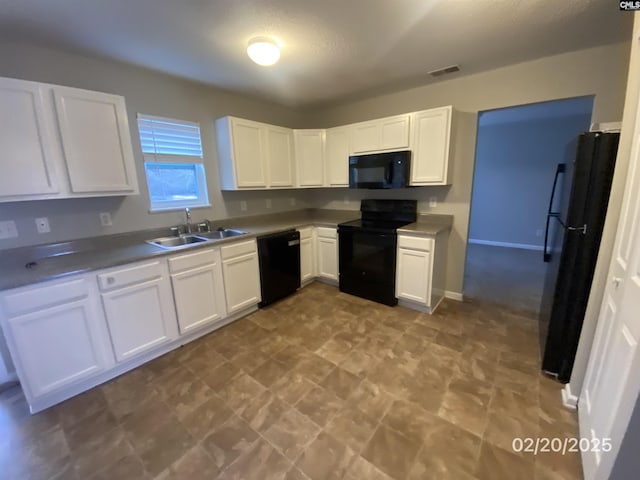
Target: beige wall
column 613, row 215
column 600, row 71
column 151, row 93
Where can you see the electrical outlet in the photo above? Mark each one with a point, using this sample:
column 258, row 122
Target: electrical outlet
column 268, row 203
column 105, row 219
column 539, row 232
column 42, row 225
column 243, row 205
column 345, row 200
column 8, row 229
column 292, row 201
column 433, row 202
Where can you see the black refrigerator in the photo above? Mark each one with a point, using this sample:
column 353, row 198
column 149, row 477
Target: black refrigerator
column 575, row 220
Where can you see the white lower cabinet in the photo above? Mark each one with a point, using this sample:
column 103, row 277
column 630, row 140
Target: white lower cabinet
column 413, row 275
column 241, row 274
column 198, row 289
column 420, row 271
column 55, row 333
column 139, row 308
column 327, row 251
column 307, row 255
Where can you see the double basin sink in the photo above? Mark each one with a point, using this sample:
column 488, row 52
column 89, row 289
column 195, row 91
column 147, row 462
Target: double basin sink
column 188, row 240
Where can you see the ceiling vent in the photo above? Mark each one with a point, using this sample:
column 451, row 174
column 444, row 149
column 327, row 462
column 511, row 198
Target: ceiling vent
column 444, row 71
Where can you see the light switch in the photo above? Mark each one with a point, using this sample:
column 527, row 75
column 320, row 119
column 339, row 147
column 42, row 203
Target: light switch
column 105, row 219
column 268, row 203
column 243, row 205
column 433, row 202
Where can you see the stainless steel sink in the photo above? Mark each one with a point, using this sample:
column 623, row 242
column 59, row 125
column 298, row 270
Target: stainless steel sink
column 172, row 243
column 220, row 234
column 184, row 241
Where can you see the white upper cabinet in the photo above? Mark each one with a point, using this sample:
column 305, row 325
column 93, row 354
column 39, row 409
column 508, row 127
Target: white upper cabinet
column 29, row 149
column 61, row 142
column 337, row 150
column 309, row 148
column 254, row 155
column 94, row 130
column 430, row 138
column 389, row 133
column 279, row 145
column 242, row 153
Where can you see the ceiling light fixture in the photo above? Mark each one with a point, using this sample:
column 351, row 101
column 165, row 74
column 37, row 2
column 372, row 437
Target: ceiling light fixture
column 263, row 50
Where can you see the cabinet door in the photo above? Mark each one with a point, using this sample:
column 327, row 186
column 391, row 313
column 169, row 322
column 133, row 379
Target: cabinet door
column 394, row 133
column 307, row 260
column 309, row 145
column 248, row 153
column 94, row 129
column 413, row 276
column 279, row 156
column 58, row 346
column 389, row 133
column 328, row 258
column 199, row 296
column 140, row 317
column 366, row 137
column 337, row 157
column 430, row 145
column 241, row 282
column 29, row 151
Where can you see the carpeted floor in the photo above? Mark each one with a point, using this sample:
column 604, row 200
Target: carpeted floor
column 511, row 277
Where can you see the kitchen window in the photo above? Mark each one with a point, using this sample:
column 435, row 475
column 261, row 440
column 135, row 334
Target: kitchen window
column 173, row 163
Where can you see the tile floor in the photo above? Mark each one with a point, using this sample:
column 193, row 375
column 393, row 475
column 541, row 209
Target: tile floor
column 321, row 385
column 508, row 276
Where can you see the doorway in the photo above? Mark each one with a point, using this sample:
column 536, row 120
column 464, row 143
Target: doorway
column 517, row 153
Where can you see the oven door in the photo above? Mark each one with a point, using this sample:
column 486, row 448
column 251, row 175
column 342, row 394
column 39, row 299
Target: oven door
column 368, row 264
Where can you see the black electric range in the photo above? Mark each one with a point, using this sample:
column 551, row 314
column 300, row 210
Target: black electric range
column 367, row 249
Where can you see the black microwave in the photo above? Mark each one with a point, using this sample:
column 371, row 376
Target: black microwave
column 380, row 170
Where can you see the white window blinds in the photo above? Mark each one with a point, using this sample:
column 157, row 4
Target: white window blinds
column 173, row 162
column 169, row 140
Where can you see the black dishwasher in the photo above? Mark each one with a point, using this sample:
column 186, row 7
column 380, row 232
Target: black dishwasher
column 279, row 255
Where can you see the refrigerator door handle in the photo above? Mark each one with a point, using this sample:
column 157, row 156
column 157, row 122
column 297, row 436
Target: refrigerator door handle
column 561, row 168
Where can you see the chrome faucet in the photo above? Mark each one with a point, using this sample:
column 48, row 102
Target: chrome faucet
column 187, row 211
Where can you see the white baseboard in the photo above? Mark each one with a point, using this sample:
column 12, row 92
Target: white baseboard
column 568, row 398
column 454, row 295
column 522, row 246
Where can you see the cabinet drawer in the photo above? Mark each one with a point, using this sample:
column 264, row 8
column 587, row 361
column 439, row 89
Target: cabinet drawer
column 191, row 260
column 305, row 232
column 326, row 232
column 416, row 243
column 40, row 297
column 237, row 249
column 129, row 276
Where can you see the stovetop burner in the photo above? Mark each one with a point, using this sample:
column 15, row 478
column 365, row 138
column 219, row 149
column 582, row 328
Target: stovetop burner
column 375, row 224
column 384, row 215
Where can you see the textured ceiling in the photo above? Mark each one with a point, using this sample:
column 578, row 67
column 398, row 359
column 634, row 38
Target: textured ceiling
column 332, row 50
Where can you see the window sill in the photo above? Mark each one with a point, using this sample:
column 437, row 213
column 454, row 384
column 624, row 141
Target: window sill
column 178, row 209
